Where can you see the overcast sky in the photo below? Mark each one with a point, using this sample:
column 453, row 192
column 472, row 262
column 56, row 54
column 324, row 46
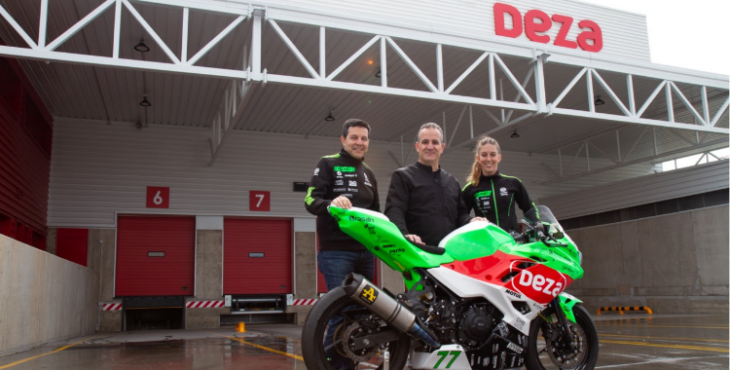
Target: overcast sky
column 684, row 33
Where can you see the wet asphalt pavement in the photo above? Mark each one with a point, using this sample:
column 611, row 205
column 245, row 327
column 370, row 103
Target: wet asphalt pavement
column 627, row 342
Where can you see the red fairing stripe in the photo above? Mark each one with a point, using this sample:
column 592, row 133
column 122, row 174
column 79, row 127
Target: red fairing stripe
column 539, row 282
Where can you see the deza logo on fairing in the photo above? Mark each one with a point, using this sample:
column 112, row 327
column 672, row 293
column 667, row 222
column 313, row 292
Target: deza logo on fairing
column 540, row 283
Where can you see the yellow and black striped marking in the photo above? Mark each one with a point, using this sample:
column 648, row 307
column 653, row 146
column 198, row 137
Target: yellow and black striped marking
column 626, row 308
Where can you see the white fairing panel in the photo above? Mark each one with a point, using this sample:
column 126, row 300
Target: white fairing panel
column 449, row 356
column 467, row 287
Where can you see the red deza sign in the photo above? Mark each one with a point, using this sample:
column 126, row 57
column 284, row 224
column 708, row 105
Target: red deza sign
column 537, row 22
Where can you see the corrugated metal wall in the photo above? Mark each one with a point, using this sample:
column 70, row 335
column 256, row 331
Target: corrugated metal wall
column 25, row 142
column 625, row 34
column 647, row 189
column 99, row 170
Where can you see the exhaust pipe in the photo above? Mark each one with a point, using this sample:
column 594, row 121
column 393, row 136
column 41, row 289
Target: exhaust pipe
column 393, row 312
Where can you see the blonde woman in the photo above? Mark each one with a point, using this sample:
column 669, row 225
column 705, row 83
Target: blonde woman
column 493, row 195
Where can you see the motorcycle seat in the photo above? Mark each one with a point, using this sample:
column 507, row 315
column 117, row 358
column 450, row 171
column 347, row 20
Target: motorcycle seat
column 429, row 248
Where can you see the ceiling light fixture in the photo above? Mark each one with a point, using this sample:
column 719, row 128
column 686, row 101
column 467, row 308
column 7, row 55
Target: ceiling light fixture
column 378, row 74
column 145, row 103
column 330, row 118
column 515, row 135
column 599, row 101
column 142, row 47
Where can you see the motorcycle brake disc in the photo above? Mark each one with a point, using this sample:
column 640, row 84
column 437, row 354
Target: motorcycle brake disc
column 567, row 360
column 352, row 331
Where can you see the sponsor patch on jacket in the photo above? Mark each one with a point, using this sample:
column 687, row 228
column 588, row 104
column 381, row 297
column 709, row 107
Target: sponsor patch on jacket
column 367, row 180
column 345, row 169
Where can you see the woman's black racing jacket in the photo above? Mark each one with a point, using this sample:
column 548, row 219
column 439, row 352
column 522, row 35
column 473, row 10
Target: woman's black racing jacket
column 335, row 175
column 495, row 198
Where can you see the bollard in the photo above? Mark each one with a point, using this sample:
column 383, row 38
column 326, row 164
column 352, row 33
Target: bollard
column 241, row 327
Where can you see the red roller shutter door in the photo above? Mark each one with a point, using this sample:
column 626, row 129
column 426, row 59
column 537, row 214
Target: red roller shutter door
column 155, row 256
column 257, row 256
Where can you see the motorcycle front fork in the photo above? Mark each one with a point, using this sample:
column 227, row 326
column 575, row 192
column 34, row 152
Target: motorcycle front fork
column 566, row 335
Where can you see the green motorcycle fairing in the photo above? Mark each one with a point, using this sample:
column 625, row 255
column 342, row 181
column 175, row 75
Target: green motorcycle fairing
column 470, row 242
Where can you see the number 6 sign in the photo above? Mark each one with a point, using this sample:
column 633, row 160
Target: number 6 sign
column 158, row 197
column 259, row 200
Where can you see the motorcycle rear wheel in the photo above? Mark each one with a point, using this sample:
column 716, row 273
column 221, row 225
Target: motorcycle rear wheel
column 542, row 354
column 337, row 303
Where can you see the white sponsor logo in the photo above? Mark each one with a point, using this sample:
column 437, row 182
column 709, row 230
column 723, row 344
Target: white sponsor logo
column 316, row 171
column 503, row 331
column 351, row 183
column 519, row 324
column 540, row 283
column 339, row 173
column 339, row 183
column 514, row 347
column 503, row 192
column 367, row 180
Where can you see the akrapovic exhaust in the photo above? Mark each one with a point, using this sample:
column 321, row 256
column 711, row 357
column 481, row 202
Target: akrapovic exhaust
column 387, row 308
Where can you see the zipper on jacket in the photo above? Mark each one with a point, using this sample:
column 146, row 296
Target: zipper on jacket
column 509, row 209
column 494, row 198
column 441, row 200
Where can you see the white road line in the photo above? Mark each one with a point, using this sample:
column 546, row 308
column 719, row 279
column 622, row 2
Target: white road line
column 659, row 360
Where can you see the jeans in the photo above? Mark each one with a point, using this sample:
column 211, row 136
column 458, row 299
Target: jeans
column 335, row 266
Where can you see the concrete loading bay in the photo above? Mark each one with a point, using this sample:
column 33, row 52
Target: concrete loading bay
column 631, row 341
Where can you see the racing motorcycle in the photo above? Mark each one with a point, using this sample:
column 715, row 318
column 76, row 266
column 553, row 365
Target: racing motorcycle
column 481, row 299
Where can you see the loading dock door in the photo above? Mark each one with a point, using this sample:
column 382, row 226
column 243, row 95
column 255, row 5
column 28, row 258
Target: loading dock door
column 257, row 256
column 155, row 256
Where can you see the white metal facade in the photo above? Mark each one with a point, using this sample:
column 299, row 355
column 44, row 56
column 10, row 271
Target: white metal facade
column 643, row 190
column 625, row 34
column 263, row 75
column 99, row 170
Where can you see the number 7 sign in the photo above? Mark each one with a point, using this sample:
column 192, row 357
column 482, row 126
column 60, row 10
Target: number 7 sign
column 259, row 200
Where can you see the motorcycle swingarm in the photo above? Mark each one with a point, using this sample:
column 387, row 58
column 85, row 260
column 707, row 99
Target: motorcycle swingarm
column 372, row 340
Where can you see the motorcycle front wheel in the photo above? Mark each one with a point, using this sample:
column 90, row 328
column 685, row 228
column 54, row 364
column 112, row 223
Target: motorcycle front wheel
column 357, row 321
column 545, row 352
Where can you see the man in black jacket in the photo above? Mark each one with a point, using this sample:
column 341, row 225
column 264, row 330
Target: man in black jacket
column 424, row 200
column 342, row 180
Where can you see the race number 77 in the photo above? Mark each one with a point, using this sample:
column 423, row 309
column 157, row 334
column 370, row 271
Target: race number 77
column 443, row 355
